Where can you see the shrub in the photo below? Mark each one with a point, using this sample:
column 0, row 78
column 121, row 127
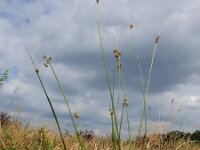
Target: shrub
column 195, row 136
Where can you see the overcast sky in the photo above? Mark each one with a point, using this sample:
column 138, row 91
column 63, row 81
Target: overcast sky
column 67, row 31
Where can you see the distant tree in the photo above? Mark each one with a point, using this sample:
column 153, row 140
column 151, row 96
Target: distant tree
column 174, row 136
column 195, row 136
column 5, row 119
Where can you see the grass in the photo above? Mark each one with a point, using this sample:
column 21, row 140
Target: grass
column 17, row 136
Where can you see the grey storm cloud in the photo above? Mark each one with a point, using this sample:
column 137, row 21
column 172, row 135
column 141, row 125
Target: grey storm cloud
column 67, row 32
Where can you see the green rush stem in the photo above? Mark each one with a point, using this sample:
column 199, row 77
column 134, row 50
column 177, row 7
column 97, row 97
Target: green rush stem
column 49, row 101
column 142, row 86
column 113, row 134
column 129, row 129
column 119, row 74
column 147, row 87
column 120, row 126
column 151, row 66
column 123, row 84
column 107, row 78
column 74, row 124
column 128, row 121
column 124, row 92
column 114, row 78
column 66, row 101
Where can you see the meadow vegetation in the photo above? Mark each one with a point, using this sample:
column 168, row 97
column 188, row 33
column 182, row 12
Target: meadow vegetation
column 17, row 136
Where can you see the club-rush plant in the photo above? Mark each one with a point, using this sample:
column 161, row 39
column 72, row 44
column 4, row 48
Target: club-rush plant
column 46, row 64
column 118, row 101
column 48, row 99
column 116, row 129
column 77, row 132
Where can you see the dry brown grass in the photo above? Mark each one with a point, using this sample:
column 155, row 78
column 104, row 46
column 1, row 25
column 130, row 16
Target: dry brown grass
column 15, row 136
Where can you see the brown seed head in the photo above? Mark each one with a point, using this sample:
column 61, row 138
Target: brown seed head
column 111, row 113
column 37, row 70
column 45, row 64
column 157, row 39
column 131, row 26
column 115, row 51
column 97, row 1
column 125, row 103
column 76, row 115
column 117, row 54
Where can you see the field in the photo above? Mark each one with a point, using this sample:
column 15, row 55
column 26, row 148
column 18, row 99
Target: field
column 17, row 136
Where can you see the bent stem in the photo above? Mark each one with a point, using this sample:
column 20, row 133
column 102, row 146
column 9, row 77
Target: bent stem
column 49, row 101
column 66, row 102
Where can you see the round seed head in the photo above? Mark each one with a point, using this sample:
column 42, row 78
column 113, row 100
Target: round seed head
column 125, row 103
column 37, row 70
column 111, row 113
column 131, row 26
column 76, row 115
column 157, row 39
column 116, row 51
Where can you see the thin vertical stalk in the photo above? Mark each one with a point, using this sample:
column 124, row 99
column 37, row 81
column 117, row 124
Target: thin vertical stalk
column 113, row 133
column 121, row 121
column 107, row 78
column 129, row 130
column 142, row 85
column 146, row 91
column 125, row 104
column 119, row 74
column 151, row 65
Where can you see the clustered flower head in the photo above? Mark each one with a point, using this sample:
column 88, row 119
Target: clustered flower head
column 48, row 60
column 76, row 115
column 131, row 26
column 125, row 103
column 117, row 54
column 111, row 112
column 97, row 1
column 37, row 70
column 157, row 39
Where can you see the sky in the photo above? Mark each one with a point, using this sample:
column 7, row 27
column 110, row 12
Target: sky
column 67, row 31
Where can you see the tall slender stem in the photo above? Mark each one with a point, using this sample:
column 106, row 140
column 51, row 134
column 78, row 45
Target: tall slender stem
column 49, row 101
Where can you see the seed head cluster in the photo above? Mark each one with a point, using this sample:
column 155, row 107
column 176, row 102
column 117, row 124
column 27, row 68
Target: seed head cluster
column 157, row 39
column 111, row 112
column 48, row 60
column 76, row 115
column 131, row 26
column 125, row 103
column 117, row 54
